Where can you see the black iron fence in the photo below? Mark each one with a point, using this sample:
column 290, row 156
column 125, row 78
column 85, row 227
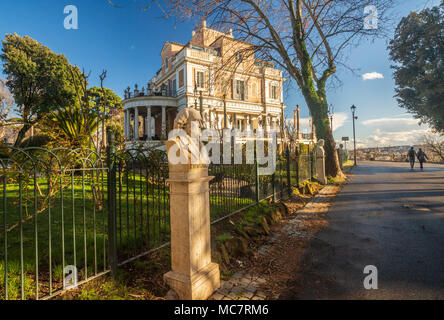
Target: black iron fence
column 237, row 186
column 53, row 208
column 75, row 210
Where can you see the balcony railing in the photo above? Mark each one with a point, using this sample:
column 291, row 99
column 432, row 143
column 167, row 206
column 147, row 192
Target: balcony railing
column 165, row 92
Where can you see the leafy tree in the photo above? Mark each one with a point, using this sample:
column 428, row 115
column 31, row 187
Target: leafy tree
column 418, row 51
column 109, row 106
column 98, row 96
column 305, row 38
column 6, row 102
column 37, row 78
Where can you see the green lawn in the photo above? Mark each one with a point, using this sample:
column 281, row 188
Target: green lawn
column 37, row 245
column 71, row 227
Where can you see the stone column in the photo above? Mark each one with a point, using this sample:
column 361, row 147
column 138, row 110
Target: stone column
column 298, row 126
column 320, row 162
column 128, row 123
column 225, row 113
column 163, row 128
column 125, row 123
column 193, row 275
column 148, row 124
column 136, row 124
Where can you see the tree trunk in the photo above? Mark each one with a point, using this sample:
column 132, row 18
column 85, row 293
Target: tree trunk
column 21, row 134
column 319, row 111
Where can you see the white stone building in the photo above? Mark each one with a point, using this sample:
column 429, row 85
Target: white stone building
column 215, row 73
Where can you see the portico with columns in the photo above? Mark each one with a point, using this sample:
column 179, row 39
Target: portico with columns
column 155, row 116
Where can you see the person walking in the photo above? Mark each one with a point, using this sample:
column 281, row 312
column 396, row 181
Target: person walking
column 421, row 158
column 412, row 154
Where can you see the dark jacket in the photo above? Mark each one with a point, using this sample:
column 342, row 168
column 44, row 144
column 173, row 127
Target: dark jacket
column 412, row 154
column 421, row 156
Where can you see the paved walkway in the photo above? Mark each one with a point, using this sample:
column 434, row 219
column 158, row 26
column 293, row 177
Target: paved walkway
column 386, row 216
column 245, row 286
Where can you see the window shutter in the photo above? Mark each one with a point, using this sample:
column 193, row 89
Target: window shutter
column 194, row 77
column 232, row 89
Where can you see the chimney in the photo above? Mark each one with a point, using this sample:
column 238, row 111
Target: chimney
column 204, row 23
column 231, row 32
column 193, row 33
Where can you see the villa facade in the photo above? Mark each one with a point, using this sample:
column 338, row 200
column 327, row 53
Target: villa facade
column 215, row 73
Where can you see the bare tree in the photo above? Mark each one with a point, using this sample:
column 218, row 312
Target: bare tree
column 305, row 38
column 434, row 142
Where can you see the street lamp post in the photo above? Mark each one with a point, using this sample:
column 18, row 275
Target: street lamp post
column 331, row 111
column 353, row 109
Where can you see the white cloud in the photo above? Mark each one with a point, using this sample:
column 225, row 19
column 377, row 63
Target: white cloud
column 392, row 132
column 392, row 124
column 372, row 76
column 339, row 120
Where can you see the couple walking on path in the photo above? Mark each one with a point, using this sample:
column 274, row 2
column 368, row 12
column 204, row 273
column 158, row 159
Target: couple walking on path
column 420, row 155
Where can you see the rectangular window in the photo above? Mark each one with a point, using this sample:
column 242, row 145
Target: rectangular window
column 200, row 79
column 240, row 90
column 274, row 92
column 181, row 78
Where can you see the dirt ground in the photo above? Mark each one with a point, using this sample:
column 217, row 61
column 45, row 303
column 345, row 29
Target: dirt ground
column 284, row 256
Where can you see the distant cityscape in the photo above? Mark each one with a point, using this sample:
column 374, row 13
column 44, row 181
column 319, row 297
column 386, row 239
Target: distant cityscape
column 396, row 153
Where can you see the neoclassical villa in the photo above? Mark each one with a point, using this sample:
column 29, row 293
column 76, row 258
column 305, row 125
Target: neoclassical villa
column 215, row 73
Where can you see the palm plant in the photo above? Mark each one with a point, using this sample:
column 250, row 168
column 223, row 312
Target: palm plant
column 78, row 124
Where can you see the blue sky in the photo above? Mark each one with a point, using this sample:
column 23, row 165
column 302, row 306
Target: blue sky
column 127, row 42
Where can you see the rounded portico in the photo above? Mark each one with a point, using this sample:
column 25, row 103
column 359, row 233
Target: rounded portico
column 148, row 117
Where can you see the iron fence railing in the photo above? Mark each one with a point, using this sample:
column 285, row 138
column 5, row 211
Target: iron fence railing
column 62, row 209
column 237, row 186
column 53, row 216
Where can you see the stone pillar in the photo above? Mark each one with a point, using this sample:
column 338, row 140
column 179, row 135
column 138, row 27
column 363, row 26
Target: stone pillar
column 320, row 162
column 148, row 124
column 193, row 275
column 125, row 123
column 128, row 123
column 136, row 124
column 163, row 128
column 225, row 112
column 298, row 125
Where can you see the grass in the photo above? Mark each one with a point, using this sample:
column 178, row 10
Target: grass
column 37, row 250
column 349, row 163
